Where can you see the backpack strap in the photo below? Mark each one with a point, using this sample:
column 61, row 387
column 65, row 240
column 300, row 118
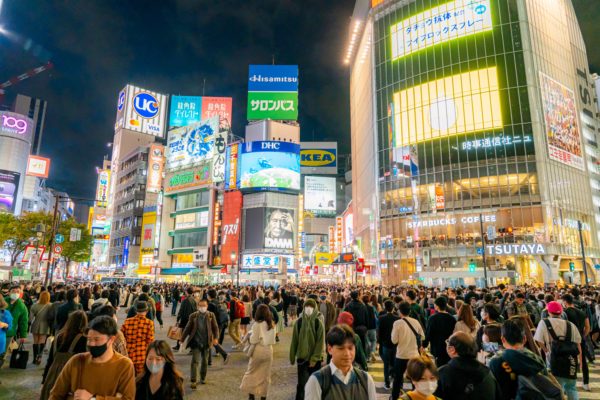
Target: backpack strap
column 569, row 334
column 74, row 343
column 417, row 336
column 550, row 329
column 325, row 381
column 362, row 379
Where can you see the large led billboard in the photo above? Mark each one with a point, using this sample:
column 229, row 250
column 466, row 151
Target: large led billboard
column 141, row 110
column 9, row 186
column 191, row 144
column 320, row 195
column 457, row 104
column 270, row 165
column 280, row 228
column 560, row 117
column 440, row 24
column 188, row 110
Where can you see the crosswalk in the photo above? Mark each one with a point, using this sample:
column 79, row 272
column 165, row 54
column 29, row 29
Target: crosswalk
column 376, row 371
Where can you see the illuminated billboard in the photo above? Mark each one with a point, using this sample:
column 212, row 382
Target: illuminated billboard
column 38, row 166
column 188, row 110
column 318, row 157
column 147, row 247
column 273, row 92
column 141, row 110
column 560, row 117
column 457, row 104
column 231, row 166
column 197, row 177
column 440, row 24
column 279, row 229
column 156, row 165
column 231, row 226
column 9, row 186
column 16, row 125
column 320, row 195
column 191, row 144
column 270, row 165
column 102, row 188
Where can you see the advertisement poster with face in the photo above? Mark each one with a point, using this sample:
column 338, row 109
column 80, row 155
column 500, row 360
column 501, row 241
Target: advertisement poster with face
column 280, row 227
column 9, row 185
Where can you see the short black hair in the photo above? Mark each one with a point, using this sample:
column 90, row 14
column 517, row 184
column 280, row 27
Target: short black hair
column 105, row 294
column 104, row 325
column 441, row 302
column 520, row 295
column 464, row 344
column 212, row 294
column 145, row 288
column 189, row 290
column 568, row 298
column 575, row 292
column 354, row 295
column 512, row 332
column 338, row 335
column 107, row 310
column 15, row 287
column 71, row 294
column 411, row 294
column 388, row 305
column 492, row 311
column 404, row 308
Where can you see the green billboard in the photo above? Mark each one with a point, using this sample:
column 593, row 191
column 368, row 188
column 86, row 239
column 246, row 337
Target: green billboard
column 273, row 105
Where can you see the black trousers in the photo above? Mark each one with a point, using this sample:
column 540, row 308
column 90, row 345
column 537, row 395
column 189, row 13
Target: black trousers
column 400, row 365
column 304, row 372
column 222, row 329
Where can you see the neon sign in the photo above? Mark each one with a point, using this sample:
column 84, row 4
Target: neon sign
column 13, row 124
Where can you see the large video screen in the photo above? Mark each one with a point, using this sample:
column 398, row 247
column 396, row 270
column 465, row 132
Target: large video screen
column 191, row 144
column 457, row 104
column 560, row 117
column 270, row 165
column 440, row 24
column 320, row 195
column 9, row 186
column 280, row 226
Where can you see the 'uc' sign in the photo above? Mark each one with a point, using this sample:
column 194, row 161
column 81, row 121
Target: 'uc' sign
column 317, row 158
column 145, row 105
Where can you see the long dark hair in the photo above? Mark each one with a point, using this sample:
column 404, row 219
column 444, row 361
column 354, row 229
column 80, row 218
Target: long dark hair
column 76, row 324
column 172, row 377
column 263, row 313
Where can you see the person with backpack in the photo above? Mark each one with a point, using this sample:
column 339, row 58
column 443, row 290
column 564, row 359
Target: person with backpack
column 159, row 302
column 407, row 335
column 561, row 342
column 578, row 317
column 424, row 376
column 340, row 380
column 237, row 311
column 308, row 340
column 465, row 378
column 70, row 340
column 521, row 373
column 416, row 311
column 219, row 309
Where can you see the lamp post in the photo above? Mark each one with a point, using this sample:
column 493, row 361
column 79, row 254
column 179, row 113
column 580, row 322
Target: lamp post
column 234, row 260
column 233, row 263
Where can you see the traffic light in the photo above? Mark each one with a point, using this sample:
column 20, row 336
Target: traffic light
column 571, row 266
column 472, row 266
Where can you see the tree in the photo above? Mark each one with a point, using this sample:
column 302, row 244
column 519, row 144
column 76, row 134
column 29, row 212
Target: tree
column 18, row 232
column 76, row 251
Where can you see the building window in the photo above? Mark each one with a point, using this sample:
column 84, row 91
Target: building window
column 191, row 200
column 190, row 239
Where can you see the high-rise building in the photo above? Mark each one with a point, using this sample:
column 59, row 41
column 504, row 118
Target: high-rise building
column 36, row 110
column 474, row 140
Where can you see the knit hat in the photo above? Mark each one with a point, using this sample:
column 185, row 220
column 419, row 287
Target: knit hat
column 310, row 303
column 345, row 318
column 554, row 307
column 141, row 306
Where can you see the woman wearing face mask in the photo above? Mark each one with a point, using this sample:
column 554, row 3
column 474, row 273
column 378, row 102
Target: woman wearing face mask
column 160, row 379
column 424, row 376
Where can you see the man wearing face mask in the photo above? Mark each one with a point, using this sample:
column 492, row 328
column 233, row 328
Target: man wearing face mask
column 18, row 310
column 307, row 345
column 327, row 309
column 99, row 374
column 203, row 332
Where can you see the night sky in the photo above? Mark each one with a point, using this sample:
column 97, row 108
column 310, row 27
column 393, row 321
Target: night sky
column 179, row 47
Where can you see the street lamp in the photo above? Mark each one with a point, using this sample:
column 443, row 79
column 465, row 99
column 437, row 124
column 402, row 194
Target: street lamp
column 237, row 267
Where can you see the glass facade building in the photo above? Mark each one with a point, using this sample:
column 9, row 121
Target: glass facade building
column 471, row 142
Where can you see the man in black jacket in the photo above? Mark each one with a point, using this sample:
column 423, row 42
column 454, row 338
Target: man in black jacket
column 464, row 377
column 188, row 307
column 361, row 316
column 384, row 338
column 222, row 317
column 439, row 328
column 63, row 312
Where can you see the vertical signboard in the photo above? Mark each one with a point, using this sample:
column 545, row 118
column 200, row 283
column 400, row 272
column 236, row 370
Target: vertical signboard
column 156, row 165
column 9, row 186
column 331, row 236
column 125, row 261
column 273, row 92
column 230, row 233
column 147, row 247
column 231, row 167
column 218, row 158
column 300, row 225
column 102, row 188
column 339, row 232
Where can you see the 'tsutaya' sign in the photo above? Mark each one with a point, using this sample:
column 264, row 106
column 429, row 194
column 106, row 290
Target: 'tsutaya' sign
column 515, row 249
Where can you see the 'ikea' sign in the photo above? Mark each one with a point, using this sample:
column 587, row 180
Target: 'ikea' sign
column 318, row 158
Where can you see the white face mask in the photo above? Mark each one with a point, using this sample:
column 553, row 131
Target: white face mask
column 426, row 388
column 14, row 296
column 308, row 311
column 202, row 309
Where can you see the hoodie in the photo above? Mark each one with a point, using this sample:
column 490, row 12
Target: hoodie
column 465, row 378
column 507, row 365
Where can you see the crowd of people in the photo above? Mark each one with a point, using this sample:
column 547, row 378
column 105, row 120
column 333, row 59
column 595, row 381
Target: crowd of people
column 435, row 343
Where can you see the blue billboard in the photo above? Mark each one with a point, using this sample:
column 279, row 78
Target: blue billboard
column 185, row 110
column 269, row 165
column 273, row 78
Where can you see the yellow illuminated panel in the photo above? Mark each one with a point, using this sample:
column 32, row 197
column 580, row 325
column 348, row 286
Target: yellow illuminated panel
column 457, row 104
column 440, row 24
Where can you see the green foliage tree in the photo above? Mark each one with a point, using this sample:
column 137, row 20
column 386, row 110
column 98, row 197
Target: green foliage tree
column 17, row 232
column 76, row 251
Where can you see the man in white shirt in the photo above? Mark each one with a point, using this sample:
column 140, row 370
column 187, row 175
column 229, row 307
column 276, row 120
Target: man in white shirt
column 564, row 368
column 340, row 380
column 405, row 332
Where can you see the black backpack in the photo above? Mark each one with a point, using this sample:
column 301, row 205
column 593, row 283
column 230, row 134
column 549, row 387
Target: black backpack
column 222, row 313
column 538, row 387
column 564, row 353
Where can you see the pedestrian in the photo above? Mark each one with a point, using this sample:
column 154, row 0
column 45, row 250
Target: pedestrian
column 371, row 335
column 237, row 311
column 20, row 317
column 306, row 349
column 439, row 328
column 257, row 379
column 120, row 344
column 63, row 312
column 423, row 374
column 139, row 333
column 360, row 359
column 384, row 338
column 6, row 321
column 188, row 307
column 463, row 377
column 582, row 322
column 176, row 297
column 160, row 379
column 219, row 309
column 327, row 309
column 203, row 332
column 159, row 302
column 466, row 321
column 407, row 335
column 247, row 315
column 40, row 329
column 101, row 373
column 361, row 316
column 69, row 341
column 562, row 355
column 340, row 379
